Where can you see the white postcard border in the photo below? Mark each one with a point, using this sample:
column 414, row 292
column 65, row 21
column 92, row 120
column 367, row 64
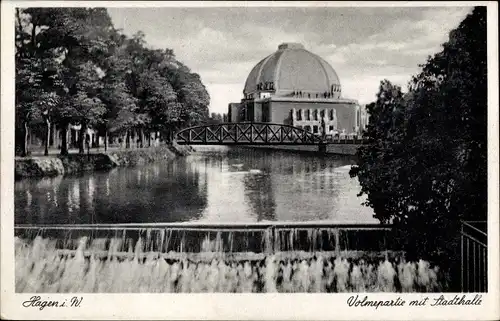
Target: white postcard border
column 237, row 306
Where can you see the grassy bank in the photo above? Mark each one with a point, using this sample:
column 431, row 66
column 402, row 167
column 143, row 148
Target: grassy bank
column 44, row 166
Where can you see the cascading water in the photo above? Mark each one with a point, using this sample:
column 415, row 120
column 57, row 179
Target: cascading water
column 207, row 259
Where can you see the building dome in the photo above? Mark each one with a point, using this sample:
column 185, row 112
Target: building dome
column 292, row 68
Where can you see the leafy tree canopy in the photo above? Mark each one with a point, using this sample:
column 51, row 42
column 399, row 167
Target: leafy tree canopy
column 97, row 76
column 425, row 167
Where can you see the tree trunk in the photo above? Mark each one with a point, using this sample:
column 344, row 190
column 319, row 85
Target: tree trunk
column 127, row 140
column 137, row 138
column 149, row 139
column 97, row 139
column 30, row 139
column 25, row 151
column 64, row 139
column 106, row 140
column 141, row 137
column 52, row 141
column 47, row 140
column 167, row 135
column 81, row 138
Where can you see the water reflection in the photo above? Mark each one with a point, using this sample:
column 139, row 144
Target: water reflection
column 233, row 185
column 260, row 195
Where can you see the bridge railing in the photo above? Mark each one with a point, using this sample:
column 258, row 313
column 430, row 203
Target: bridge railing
column 246, row 134
column 252, row 133
column 345, row 139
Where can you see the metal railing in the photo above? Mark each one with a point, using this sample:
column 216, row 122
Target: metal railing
column 474, row 256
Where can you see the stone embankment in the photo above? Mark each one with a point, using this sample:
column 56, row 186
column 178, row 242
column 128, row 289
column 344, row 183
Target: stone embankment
column 333, row 149
column 78, row 163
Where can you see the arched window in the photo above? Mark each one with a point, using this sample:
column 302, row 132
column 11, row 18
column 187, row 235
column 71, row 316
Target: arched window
column 322, row 113
column 299, row 114
column 332, row 112
column 308, row 114
column 315, row 113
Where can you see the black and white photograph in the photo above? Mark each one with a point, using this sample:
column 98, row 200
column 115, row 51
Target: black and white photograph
column 239, row 149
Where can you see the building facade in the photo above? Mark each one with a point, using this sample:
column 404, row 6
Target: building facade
column 296, row 87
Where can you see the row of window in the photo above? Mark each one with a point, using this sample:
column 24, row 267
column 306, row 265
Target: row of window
column 315, row 128
column 306, row 114
column 265, row 85
column 300, row 94
column 259, row 95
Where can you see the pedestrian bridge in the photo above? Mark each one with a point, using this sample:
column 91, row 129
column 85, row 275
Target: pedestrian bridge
column 256, row 134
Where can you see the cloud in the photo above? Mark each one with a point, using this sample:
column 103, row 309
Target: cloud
column 364, row 45
column 365, row 88
column 222, row 94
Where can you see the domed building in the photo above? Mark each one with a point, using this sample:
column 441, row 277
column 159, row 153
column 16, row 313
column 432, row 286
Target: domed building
column 297, row 87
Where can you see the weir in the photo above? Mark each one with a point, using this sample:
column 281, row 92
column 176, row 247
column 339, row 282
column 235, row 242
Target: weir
column 221, row 257
column 229, row 239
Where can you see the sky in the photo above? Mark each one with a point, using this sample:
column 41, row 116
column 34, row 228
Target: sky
column 364, row 45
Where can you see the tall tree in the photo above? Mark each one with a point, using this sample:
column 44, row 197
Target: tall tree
column 90, row 74
column 425, row 167
column 379, row 165
column 192, row 94
column 79, row 36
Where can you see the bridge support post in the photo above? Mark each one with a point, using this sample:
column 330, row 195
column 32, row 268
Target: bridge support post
column 322, row 148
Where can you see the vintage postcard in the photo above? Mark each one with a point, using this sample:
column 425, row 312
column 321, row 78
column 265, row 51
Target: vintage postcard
column 240, row 160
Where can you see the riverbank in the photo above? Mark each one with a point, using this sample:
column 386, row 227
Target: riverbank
column 46, row 166
column 331, row 149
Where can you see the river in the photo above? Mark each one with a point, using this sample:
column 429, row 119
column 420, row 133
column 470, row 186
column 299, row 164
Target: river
column 215, row 185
